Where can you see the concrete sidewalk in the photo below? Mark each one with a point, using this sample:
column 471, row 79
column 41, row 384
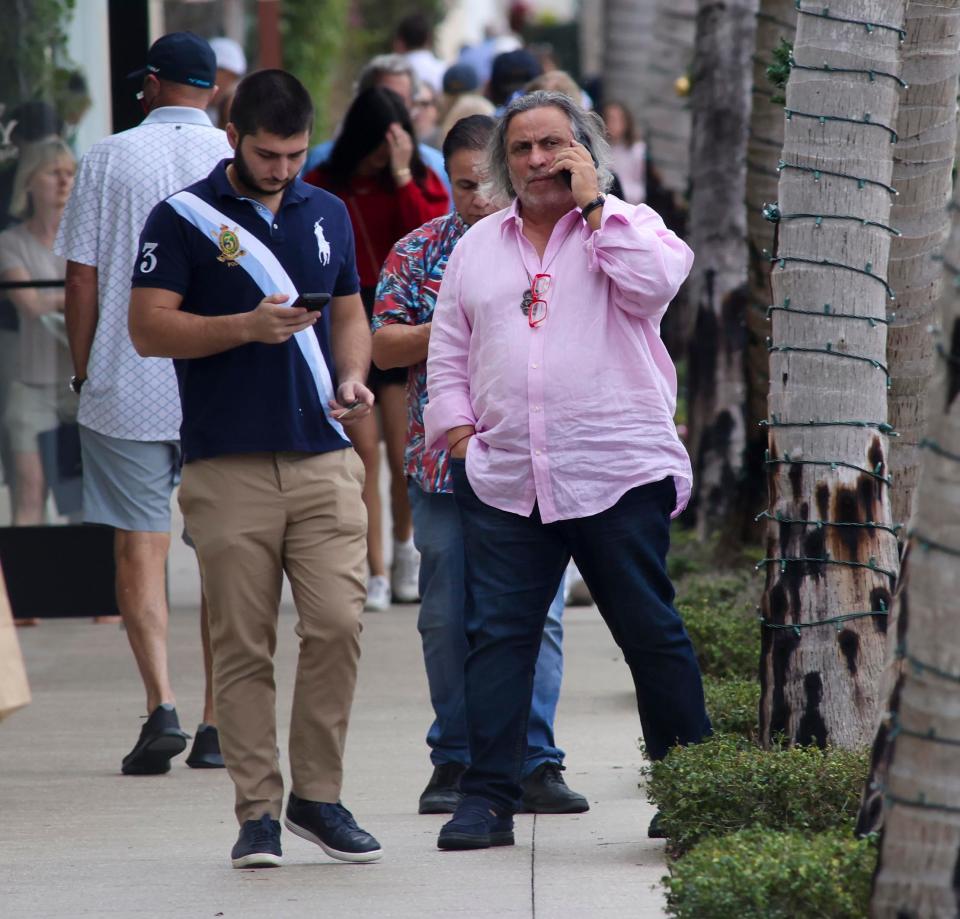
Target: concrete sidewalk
column 78, row 839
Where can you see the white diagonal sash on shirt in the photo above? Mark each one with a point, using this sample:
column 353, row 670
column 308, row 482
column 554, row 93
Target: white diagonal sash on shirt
column 270, row 276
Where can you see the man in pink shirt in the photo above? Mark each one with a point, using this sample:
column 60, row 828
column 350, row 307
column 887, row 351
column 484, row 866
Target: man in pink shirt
column 551, row 388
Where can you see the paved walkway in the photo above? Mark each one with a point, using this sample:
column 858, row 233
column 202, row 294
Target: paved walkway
column 80, row 840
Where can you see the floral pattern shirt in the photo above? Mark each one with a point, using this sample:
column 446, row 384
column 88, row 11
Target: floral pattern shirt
column 406, row 294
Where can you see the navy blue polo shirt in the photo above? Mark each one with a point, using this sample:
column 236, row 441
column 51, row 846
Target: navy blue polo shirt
column 224, row 253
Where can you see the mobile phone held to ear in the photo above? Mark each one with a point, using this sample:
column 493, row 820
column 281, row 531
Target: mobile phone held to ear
column 313, row 302
column 580, row 139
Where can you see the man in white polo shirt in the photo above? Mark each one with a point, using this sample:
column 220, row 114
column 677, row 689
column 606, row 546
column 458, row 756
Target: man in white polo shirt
column 129, row 406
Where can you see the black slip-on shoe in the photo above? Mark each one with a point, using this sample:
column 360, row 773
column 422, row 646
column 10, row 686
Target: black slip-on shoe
column 160, row 740
column 205, row 752
column 442, row 794
column 545, row 792
column 655, row 830
column 258, row 845
column 477, row 824
column 332, row 827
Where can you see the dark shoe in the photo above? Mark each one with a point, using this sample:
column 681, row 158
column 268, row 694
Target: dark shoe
column 258, row 845
column 655, row 830
column 205, row 752
column 160, row 740
column 332, row 827
column 545, row 792
column 477, row 824
column 442, row 794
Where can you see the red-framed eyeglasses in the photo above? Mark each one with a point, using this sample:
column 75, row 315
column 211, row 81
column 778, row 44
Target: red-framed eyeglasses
column 539, row 287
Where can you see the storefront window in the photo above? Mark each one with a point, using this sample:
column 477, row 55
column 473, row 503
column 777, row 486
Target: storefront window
column 62, row 88
column 44, row 96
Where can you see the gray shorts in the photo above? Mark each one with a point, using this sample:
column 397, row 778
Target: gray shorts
column 127, row 483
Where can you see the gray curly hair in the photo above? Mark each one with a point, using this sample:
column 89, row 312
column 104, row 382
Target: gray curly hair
column 383, row 65
column 587, row 129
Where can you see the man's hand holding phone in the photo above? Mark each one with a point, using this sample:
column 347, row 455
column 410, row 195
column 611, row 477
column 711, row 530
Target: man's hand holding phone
column 273, row 323
column 354, row 401
column 577, row 162
column 314, row 303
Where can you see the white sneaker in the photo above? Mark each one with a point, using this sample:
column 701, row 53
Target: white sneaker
column 405, row 572
column 575, row 592
column 378, row 594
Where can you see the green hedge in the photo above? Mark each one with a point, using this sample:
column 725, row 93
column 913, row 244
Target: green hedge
column 726, row 784
column 734, row 589
column 719, row 612
column 726, row 640
column 733, row 705
column 761, row 874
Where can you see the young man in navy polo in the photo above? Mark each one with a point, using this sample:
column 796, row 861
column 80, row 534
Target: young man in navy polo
column 270, row 482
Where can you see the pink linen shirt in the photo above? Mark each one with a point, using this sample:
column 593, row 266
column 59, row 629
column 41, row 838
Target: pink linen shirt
column 574, row 413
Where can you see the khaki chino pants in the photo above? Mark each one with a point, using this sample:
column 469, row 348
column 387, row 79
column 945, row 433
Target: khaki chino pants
column 253, row 517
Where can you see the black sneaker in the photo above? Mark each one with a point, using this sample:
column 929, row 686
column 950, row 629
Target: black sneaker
column 160, row 740
column 656, row 830
column 545, row 792
column 442, row 794
column 205, row 752
column 332, row 827
column 477, row 824
column 258, row 845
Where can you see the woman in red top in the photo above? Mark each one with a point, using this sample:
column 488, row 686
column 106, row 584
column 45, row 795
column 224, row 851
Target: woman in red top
column 375, row 169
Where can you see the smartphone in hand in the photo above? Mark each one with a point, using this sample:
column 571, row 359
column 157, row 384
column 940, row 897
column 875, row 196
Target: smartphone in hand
column 351, row 408
column 565, row 174
column 313, row 302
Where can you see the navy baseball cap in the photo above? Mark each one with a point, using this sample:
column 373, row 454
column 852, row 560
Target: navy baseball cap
column 510, row 71
column 180, row 57
column 460, row 78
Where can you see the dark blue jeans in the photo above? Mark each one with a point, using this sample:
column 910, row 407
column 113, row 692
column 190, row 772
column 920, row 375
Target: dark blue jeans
column 513, row 564
column 443, row 598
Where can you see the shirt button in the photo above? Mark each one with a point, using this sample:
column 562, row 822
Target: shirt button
column 276, row 227
column 538, row 452
column 534, row 366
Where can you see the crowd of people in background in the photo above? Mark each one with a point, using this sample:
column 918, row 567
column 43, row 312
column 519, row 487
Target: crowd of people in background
column 435, row 95
column 233, row 207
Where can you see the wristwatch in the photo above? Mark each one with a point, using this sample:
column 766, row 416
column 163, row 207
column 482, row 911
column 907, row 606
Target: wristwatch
column 76, row 384
column 590, row 207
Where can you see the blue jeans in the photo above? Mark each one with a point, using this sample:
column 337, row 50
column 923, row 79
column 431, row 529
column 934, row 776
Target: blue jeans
column 439, row 539
column 512, row 566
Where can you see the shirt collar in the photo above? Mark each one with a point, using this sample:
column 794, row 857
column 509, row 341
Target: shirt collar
column 178, row 114
column 294, row 193
column 513, row 218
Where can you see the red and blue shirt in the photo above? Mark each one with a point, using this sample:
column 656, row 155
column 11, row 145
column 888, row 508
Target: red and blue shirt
column 406, row 294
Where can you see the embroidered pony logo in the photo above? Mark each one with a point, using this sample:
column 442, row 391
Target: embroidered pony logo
column 323, row 247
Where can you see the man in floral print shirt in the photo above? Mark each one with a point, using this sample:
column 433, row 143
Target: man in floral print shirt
column 406, row 296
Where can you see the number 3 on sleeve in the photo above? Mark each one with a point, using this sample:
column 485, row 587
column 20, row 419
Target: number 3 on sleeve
column 149, row 259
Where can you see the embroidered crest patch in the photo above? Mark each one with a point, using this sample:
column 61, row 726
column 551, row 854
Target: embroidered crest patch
column 229, row 244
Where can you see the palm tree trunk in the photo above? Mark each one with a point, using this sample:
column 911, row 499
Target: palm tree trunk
column 628, row 28
column 917, row 875
column 666, row 111
column 923, row 161
column 718, row 286
column 776, row 22
column 831, row 558
column 922, row 172
column 649, row 46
